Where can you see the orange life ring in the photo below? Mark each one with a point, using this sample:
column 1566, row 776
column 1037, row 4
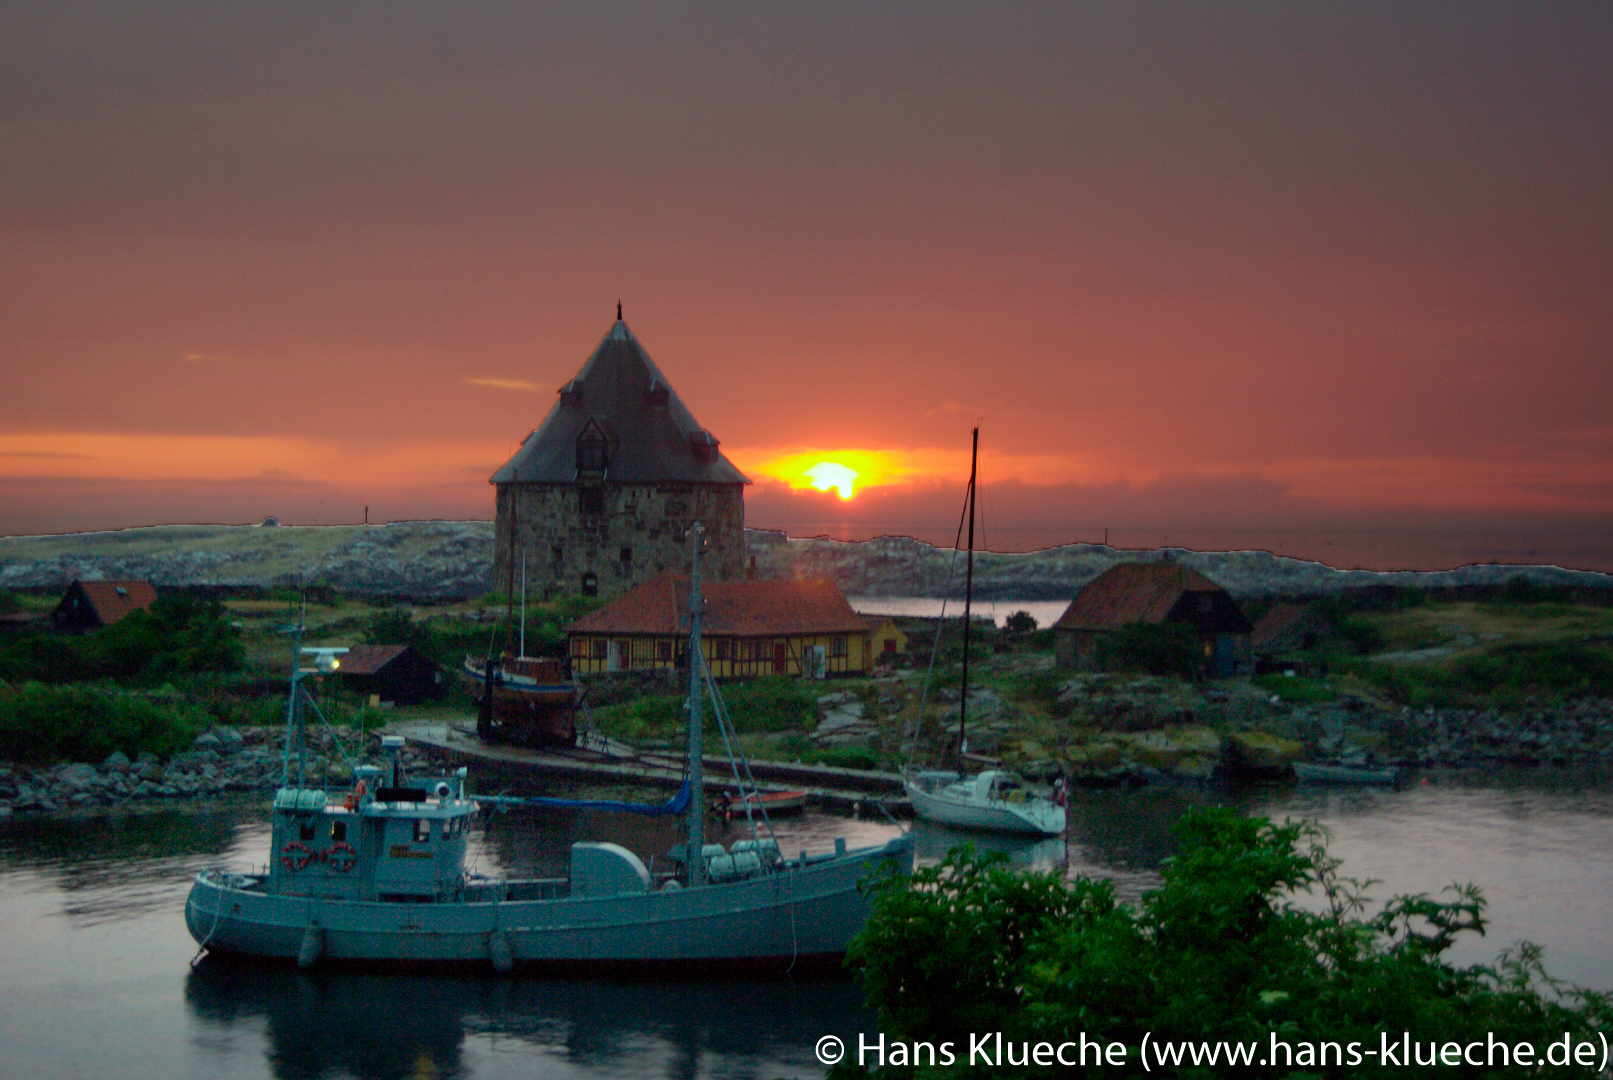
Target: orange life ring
column 296, row 856
column 341, row 857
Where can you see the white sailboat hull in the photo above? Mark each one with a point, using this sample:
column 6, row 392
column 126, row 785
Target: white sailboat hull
column 947, row 806
column 796, row 914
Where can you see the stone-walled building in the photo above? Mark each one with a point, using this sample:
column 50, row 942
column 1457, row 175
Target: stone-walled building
column 602, row 495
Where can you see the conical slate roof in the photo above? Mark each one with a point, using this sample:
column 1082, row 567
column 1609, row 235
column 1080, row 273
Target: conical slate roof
column 622, row 401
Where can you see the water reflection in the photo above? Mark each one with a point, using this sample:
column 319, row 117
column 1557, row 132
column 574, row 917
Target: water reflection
column 116, row 865
column 1024, row 852
column 383, row 1027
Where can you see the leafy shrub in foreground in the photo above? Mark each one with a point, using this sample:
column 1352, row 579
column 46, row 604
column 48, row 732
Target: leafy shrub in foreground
column 1218, row 952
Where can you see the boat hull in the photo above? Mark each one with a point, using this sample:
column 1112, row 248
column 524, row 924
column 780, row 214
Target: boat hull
column 1036, row 817
column 773, row 921
column 530, row 705
column 1345, row 774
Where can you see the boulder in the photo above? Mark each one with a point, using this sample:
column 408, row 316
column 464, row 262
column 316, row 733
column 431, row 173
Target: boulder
column 78, row 777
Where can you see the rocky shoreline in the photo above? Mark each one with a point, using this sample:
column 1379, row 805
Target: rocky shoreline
column 220, row 762
column 1152, row 731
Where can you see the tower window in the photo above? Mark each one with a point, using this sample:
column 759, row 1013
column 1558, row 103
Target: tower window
column 590, row 585
column 558, row 553
column 593, row 500
column 627, row 557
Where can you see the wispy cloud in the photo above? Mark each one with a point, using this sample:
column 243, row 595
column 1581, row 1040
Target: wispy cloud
column 208, row 358
column 511, row 384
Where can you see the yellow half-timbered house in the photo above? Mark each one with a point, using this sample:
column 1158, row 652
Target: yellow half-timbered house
column 750, row 628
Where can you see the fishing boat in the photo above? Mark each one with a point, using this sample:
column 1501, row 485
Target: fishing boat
column 376, row 874
column 995, row 800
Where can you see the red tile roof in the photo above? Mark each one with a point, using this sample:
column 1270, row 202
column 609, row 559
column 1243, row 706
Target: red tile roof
column 112, row 600
column 368, row 659
column 746, row 608
column 1132, row 593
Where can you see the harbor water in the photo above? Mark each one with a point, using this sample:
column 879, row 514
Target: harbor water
column 96, row 976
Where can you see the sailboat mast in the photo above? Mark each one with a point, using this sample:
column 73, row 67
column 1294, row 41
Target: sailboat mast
column 697, row 780
column 968, row 595
column 523, row 605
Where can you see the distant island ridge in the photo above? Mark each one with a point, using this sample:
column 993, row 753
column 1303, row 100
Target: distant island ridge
column 443, row 559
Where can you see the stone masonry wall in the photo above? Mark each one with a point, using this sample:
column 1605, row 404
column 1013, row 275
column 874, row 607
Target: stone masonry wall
column 651, row 521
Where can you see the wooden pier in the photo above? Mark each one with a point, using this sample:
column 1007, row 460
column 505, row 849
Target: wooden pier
column 851, row 791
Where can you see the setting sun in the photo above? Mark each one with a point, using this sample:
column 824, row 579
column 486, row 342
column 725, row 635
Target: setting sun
column 828, row 474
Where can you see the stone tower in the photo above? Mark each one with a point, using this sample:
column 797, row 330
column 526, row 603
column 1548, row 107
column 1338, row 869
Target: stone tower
column 601, row 496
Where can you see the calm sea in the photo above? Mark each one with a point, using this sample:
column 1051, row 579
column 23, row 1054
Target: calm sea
column 95, row 975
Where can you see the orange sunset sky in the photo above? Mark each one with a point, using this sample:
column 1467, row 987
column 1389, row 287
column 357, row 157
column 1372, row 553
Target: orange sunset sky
column 1330, row 279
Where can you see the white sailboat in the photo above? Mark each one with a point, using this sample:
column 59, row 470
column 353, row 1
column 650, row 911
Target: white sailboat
column 378, row 875
column 995, row 800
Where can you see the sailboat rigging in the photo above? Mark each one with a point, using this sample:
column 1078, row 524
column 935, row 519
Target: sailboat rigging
column 996, row 800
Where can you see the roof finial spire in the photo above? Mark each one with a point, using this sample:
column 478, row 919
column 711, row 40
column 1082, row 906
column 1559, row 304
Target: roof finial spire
column 618, row 311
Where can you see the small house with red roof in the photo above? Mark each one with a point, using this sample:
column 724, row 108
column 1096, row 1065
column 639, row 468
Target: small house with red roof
column 1152, row 593
column 750, row 628
column 90, row 605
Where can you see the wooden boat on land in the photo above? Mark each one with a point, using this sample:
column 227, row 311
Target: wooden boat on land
column 377, row 875
column 526, row 700
column 1319, row 773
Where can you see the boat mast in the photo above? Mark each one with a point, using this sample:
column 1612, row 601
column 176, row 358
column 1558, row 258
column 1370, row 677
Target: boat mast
column 968, row 594
column 523, row 605
column 697, row 780
column 294, row 747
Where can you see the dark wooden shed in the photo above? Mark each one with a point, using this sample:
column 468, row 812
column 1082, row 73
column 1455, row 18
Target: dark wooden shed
column 400, row 674
column 1287, row 629
column 1154, row 592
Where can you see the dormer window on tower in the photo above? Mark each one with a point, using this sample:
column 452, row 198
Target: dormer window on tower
column 703, row 446
column 593, row 450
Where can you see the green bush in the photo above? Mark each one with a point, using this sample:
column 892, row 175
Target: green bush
column 1506, row 674
column 845, row 757
column 1020, row 622
column 1220, row 953
column 1363, row 635
column 174, row 637
column 1297, row 688
column 44, row 724
column 1165, row 648
column 773, row 703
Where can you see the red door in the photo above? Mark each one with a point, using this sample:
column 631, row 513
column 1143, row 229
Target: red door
column 781, row 658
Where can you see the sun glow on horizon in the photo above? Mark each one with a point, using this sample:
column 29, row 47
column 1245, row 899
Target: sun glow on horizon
column 829, row 474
